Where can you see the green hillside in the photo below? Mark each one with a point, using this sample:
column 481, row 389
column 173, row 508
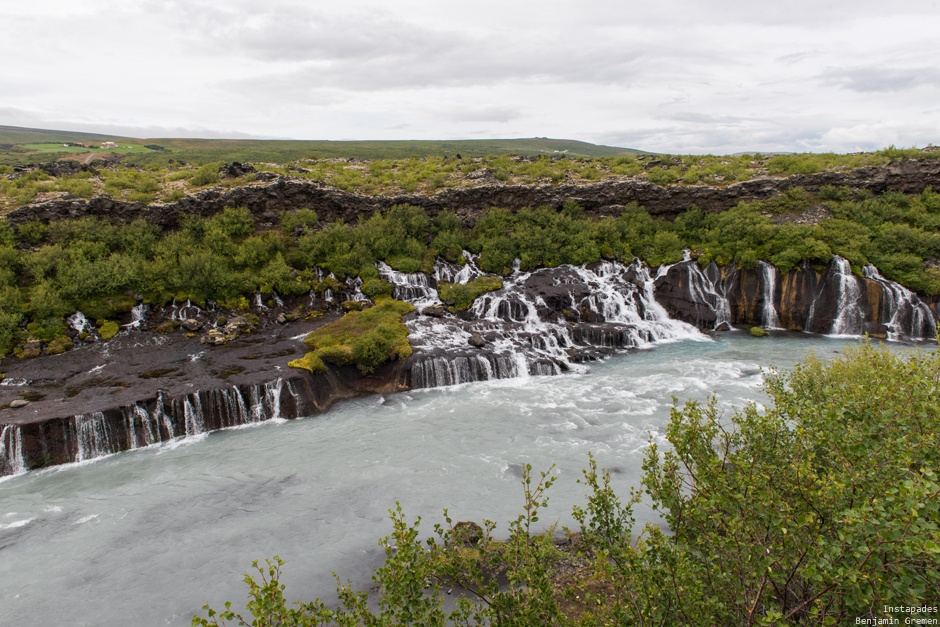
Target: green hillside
column 26, row 145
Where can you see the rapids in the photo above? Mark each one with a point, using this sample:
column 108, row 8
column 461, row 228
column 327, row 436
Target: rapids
column 147, row 537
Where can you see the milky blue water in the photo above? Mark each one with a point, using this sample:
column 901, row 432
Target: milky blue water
column 146, row 537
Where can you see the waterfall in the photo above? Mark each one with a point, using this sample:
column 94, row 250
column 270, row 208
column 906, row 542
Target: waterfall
column 453, row 273
column 97, row 434
column 11, row 451
column 415, row 288
column 138, row 315
column 184, row 312
column 258, row 303
column 524, row 334
column 769, row 317
column 707, row 293
column 94, row 436
column 79, row 322
column 850, row 318
column 902, row 311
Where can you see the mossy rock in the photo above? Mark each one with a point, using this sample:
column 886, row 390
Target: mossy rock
column 365, row 338
column 168, row 327
column 252, row 319
column 59, row 345
column 352, row 305
column 108, row 330
column 310, row 362
column 758, row 332
column 461, row 296
column 221, row 321
column 107, row 307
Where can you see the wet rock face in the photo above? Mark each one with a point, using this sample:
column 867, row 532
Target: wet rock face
column 268, row 202
column 835, row 301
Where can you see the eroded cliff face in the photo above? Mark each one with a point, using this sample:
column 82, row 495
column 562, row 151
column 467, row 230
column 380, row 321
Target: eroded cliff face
column 832, row 301
column 268, row 201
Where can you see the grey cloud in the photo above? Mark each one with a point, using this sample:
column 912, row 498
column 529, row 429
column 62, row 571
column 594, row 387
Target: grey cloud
column 881, row 78
column 473, row 113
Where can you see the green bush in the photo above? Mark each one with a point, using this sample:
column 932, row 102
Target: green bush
column 206, row 175
column 823, row 509
column 306, row 219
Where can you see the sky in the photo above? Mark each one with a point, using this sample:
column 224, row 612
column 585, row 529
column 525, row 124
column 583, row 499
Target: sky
column 676, row 76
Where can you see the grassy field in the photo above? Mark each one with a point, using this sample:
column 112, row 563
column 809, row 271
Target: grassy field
column 122, row 148
column 38, row 145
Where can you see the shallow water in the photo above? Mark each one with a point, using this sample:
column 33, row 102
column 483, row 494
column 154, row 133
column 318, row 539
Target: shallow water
column 147, row 537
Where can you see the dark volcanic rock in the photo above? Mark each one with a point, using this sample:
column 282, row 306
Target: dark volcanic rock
column 476, row 340
column 268, row 202
column 145, row 387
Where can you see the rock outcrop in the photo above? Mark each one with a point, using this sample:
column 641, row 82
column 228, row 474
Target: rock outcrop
column 268, row 201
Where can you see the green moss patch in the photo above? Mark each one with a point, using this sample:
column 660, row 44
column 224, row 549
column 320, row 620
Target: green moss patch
column 108, row 330
column 365, row 338
column 59, row 345
column 462, row 296
column 758, row 332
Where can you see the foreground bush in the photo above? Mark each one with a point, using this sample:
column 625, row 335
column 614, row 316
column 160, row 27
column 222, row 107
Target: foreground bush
column 822, row 510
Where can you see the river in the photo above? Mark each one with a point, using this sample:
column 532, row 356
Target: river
column 146, row 537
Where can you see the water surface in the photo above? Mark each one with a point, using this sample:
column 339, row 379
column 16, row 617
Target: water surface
column 146, row 537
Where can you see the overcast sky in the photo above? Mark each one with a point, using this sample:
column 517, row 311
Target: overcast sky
column 680, row 76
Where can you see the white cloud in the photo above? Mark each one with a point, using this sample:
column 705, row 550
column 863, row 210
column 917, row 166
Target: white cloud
column 685, row 76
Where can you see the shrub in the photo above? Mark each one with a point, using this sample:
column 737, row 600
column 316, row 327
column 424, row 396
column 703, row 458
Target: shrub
column 206, row 175
column 305, row 219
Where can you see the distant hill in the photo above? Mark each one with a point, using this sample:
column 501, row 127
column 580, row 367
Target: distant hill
column 25, row 149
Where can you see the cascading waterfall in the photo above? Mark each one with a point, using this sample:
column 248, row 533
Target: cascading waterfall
column 905, row 314
column 79, row 322
column 769, row 317
column 94, row 436
column 11, row 451
column 98, row 434
column 415, row 288
column 138, row 315
column 850, row 318
column 258, row 302
column 523, row 334
column 184, row 312
column 707, row 294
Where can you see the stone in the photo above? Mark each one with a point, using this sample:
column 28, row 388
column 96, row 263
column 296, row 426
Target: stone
column 281, row 318
column 435, row 311
column 724, row 326
column 192, row 325
column 476, row 340
column 18, row 403
column 236, row 170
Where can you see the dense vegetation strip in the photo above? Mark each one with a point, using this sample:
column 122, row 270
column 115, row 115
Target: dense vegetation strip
column 148, row 175
column 822, row 510
column 49, row 271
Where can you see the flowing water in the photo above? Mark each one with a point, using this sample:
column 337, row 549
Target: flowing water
column 146, row 537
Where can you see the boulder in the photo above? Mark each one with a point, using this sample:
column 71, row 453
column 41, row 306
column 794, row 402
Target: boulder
column 435, row 311
column 192, row 325
column 236, row 170
column 18, row 403
column 476, row 340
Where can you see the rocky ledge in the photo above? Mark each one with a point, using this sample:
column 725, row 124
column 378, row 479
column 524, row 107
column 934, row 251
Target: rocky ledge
column 269, row 200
